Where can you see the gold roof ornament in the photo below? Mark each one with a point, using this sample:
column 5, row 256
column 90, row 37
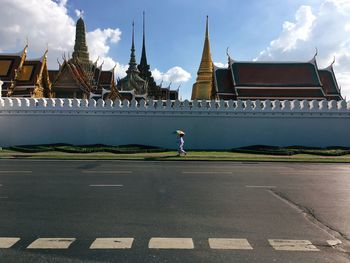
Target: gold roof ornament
column 203, row 88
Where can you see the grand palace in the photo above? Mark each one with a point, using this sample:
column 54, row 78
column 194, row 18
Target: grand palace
column 78, row 76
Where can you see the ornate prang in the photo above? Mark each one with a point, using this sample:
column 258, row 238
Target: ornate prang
column 80, row 47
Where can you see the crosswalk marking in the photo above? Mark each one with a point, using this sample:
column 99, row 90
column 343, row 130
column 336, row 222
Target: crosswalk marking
column 7, row 242
column 51, row 243
column 171, row 243
column 229, row 243
column 167, row 243
column 112, row 243
column 292, row 245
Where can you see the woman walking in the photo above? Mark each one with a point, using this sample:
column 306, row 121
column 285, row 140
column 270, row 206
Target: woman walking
column 181, row 144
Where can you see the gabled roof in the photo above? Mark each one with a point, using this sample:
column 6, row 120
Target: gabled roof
column 53, row 75
column 329, row 83
column 106, row 78
column 29, row 73
column 275, row 74
column 9, row 63
column 223, row 81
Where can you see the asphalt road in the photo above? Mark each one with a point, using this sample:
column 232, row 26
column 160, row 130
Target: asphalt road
column 120, row 211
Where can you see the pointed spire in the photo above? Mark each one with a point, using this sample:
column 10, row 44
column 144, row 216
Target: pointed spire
column 80, row 48
column 132, row 63
column 143, row 61
column 203, row 87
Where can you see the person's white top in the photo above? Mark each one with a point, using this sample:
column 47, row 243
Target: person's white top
column 181, row 141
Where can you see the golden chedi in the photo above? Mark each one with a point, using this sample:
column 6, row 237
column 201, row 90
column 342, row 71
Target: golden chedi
column 203, row 88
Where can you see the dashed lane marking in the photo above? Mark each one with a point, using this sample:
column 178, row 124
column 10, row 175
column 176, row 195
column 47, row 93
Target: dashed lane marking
column 7, row 172
column 112, row 243
column 205, row 172
column 170, row 243
column 260, row 186
column 105, row 172
column 106, row 185
column 7, row 242
column 51, row 243
column 229, row 243
column 334, row 242
column 292, row 245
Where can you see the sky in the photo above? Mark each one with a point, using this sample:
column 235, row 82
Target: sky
column 278, row 30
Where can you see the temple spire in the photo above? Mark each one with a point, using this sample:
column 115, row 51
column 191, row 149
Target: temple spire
column 143, row 61
column 203, row 87
column 132, row 63
column 80, row 48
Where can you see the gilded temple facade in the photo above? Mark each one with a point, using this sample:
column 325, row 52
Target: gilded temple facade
column 24, row 78
column 79, row 77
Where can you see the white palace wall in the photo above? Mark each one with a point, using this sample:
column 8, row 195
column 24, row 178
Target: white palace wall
column 208, row 124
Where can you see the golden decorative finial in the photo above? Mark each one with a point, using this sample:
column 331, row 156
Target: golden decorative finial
column 202, row 89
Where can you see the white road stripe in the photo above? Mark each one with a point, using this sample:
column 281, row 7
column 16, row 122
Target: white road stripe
column 260, row 186
column 292, row 245
column 112, row 243
column 0, row 184
column 3, row 172
column 334, row 242
column 105, row 172
column 7, row 242
column 170, row 243
column 3, row 197
column 106, row 185
column 229, row 243
column 206, row 172
column 51, row 243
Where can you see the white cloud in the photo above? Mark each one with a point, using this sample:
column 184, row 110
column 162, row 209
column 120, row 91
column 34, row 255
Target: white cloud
column 175, row 74
column 48, row 22
column 99, row 42
column 78, row 13
column 220, row 64
column 326, row 27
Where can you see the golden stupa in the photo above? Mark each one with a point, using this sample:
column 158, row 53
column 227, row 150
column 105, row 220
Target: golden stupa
column 202, row 89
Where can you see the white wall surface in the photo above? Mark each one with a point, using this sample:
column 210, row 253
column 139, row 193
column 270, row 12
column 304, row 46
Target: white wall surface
column 208, row 124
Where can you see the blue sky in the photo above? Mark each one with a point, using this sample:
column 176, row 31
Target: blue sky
column 175, row 31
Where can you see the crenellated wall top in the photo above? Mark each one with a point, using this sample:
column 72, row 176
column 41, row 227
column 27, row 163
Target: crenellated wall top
column 263, row 106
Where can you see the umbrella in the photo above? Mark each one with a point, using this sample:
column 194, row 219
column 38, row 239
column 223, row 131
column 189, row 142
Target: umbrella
column 179, row 132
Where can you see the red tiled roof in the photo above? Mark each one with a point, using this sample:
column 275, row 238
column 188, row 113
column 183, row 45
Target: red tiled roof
column 275, row 74
column 106, row 78
column 223, row 81
column 278, row 93
column 53, row 74
column 329, row 83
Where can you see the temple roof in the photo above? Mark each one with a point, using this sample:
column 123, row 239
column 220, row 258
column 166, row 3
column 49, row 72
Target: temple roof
column 275, row 74
column 223, row 81
column 329, row 82
column 106, row 78
column 10, row 62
